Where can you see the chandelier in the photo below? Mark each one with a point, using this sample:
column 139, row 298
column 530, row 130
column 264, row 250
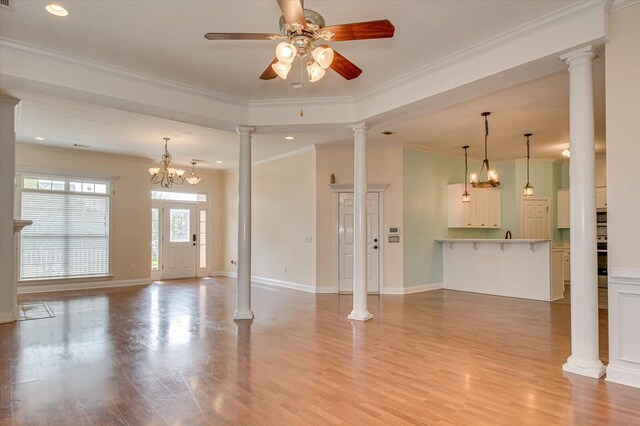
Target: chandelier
column 492, row 175
column 165, row 175
column 193, row 178
column 465, row 196
column 528, row 189
column 299, row 41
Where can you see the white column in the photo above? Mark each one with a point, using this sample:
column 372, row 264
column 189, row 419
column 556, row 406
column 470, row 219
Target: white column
column 8, row 287
column 584, row 359
column 243, row 309
column 360, row 311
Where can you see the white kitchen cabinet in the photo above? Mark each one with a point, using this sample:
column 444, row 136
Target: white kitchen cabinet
column 483, row 211
column 601, row 198
column 563, row 209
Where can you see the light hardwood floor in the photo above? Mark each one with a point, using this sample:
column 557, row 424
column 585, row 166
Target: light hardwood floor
column 171, row 354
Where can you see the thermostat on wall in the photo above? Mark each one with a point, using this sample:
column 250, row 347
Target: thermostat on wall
column 393, row 230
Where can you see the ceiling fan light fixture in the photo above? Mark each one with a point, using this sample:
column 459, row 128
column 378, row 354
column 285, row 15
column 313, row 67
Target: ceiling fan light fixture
column 323, row 56
column 281, row 69
column 315, row 71
column 285, row 52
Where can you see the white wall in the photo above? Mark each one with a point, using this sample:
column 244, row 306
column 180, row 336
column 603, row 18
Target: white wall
column 131, row 222
column 384, row 165
column 282, row 219
column 623, row 157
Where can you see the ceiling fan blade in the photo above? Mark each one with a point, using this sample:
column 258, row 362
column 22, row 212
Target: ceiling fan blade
column 343, row 66
column 239, row 36
column 269, row 73
column 292, row 11
column 362, row 30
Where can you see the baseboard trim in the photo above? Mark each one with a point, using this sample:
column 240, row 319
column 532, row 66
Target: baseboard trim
column 80, row 285
column 284, row 284
column 623, row 376
column 6, row 317
column 279, row 283
column 413, row 289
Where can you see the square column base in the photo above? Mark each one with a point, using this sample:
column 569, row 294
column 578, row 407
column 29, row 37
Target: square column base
column 360, row 316
column 246, row 315
column 595, row 371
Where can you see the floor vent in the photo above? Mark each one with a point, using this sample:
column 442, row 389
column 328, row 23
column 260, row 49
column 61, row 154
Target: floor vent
column 7, row 4
column 34, row 310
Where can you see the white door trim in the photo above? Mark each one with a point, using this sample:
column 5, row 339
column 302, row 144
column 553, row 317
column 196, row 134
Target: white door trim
column 381, row 234
column 549, row 216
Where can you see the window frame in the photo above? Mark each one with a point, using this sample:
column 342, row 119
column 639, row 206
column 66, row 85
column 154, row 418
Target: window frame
column 29, row 173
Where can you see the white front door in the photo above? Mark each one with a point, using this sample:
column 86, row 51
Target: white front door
column 179, row 241
column 535, row 219
column 345, row 238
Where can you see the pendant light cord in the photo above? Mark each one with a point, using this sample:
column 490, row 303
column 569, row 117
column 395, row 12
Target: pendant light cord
column 527, row 160
column 486, row 136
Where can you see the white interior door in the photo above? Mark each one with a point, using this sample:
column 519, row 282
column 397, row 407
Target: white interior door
column 535, row 219
column 345, row 241
column 179, row 241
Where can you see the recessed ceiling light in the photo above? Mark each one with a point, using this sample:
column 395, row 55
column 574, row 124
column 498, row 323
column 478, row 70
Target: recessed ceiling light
column 218, row 162
column 38, row 138
column 56, row 9
column 289, row 138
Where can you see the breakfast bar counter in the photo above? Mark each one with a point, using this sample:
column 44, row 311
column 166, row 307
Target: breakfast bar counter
column 528, row 269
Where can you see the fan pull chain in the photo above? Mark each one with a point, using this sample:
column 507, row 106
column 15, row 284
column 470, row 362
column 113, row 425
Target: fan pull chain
column 300, row 91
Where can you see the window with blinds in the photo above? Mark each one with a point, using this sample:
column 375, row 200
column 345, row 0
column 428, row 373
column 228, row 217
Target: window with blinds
column 70, row 232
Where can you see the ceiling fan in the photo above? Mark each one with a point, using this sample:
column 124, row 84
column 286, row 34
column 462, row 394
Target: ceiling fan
column 302, row 33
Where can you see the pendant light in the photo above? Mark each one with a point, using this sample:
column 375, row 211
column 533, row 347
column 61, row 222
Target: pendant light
column 465, row 196
column 193, row 178
column 528, row 189
column 492, row 175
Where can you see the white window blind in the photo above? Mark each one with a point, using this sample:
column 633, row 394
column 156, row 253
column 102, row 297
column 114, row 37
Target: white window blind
column 70, row 232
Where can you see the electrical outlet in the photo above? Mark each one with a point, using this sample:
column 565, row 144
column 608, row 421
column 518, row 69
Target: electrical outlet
column 308, row 239
column 133, row 268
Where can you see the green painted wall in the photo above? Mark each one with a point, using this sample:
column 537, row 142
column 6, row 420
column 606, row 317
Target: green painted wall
column 425, row 178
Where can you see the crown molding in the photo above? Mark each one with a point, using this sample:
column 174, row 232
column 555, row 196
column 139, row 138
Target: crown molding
column 26, row 48
column 616, row 5
column 536, row 25
column 554, row 18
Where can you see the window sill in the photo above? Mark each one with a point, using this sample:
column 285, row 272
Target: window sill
column 87, row 278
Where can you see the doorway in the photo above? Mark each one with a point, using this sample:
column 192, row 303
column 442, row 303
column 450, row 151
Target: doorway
column 179, row 236
column 180, row 240
column 345, row 242
column 535, row 219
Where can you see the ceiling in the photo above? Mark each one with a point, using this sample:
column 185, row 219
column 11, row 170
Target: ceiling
column 158, row 38
column 165, row 38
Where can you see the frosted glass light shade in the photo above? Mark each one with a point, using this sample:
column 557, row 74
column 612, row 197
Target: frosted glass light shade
column 179, row 172
column 193, row 179
column 528, row 190
column 493, row 175
column 154, row 170
column 281, row 69
column 473, row 178
column 466, row 197
column 315, row 71
column 286, row 52
column 323, row 56
column 171, row 171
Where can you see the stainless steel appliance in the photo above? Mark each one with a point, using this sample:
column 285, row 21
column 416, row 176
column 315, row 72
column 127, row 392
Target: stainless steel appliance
column 601, row 222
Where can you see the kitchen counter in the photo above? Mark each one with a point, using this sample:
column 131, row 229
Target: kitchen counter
column 529, row 269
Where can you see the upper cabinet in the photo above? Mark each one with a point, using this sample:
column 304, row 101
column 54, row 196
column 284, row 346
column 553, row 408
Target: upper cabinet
column 483, row 211
column 563, row 209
